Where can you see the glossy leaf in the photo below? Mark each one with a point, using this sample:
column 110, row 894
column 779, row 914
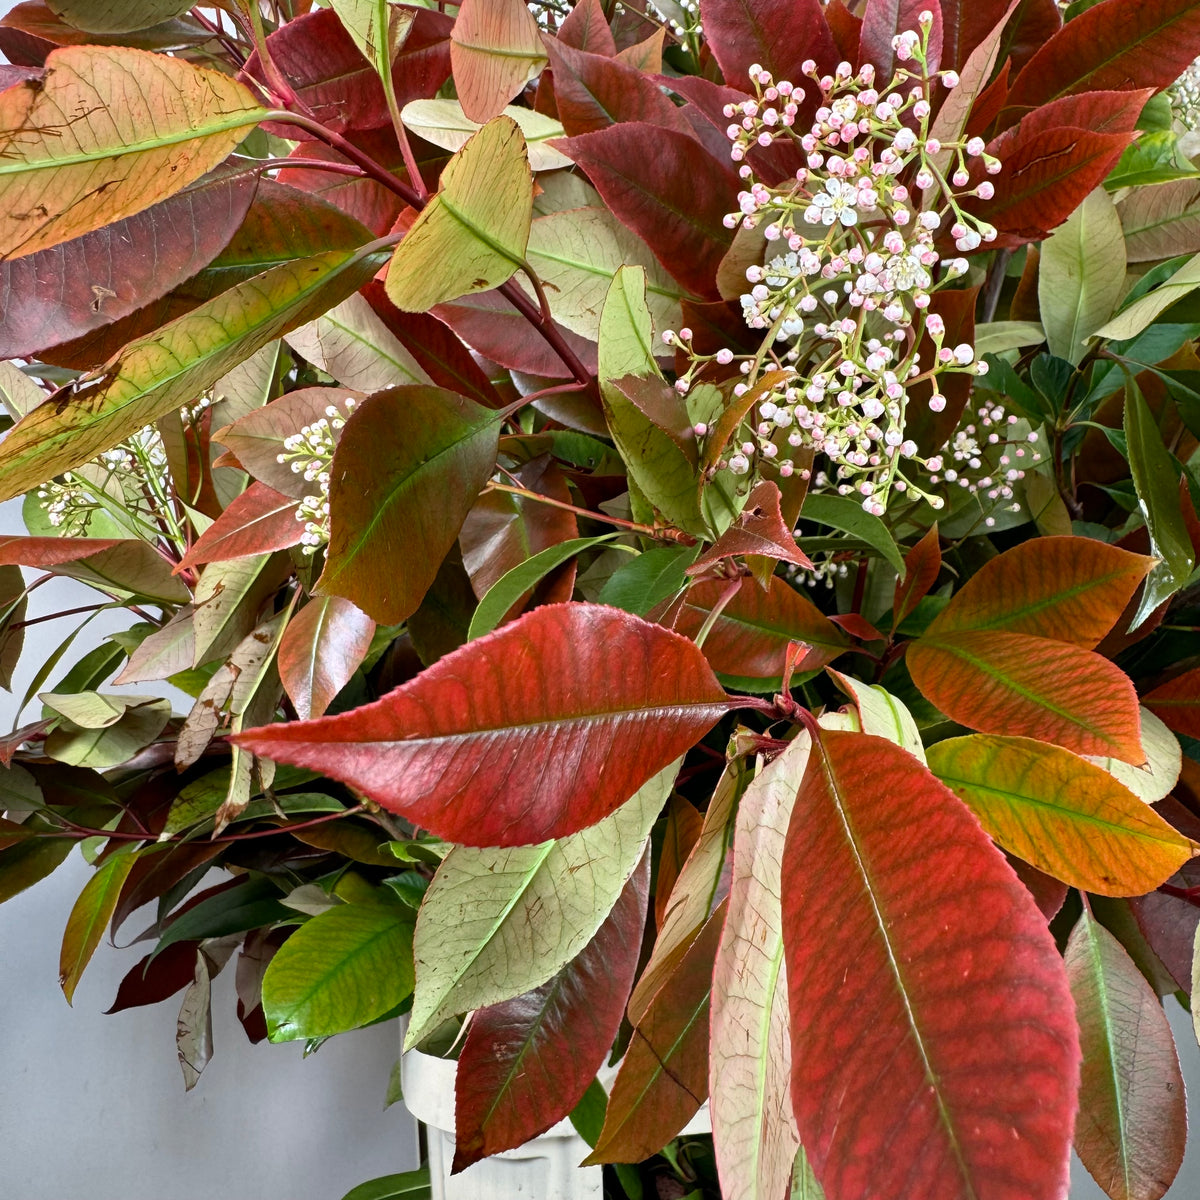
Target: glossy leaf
column 1071, row 589
column 158, row 373
column 471, row 236
column 654, row 575
column 495, row 49
column 1154, row 480
column 70, row 289
column 839, row 512
column 453, row 760
column 971, row 1018
column 1081, row 276
column 407, row 469
column 1132, row 1122
column 527, row 1062
column 496, row 923
column 759, row 529
column 407, row 1185
column 749, row 1052
column 1108, row 46
column 922, row 565
column 338, row 971
column 258, row 521
column 1019, row 685
column 777, row 34
column 89, row 915
column 751, row 636
column 663, row 1078
column 61, row 180
column 1067, row 817
column 321, row 648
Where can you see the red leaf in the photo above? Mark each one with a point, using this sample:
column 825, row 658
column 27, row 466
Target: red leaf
column 1115, row 45
column 663, row 1079
column 495, row 48
column 156, row 977
column 443, row 356
column 62, row 293
column 857, row 626
column 321, row 648
column 641, row 171
column 1132, row 1124
column 759, row 529
column 1017, row 685
column 586, row 29
column 1068, row 588
column 533, row 732
column 883, row 19
column 1045, row 177
column 751, row 636
column 777, row 34
column 934, row 1048
column 932, row 430
column 320, row 60
column 1177, row 703
column 488, row 323
column 258, row 521
column 593, row 92
column 526, row 1063
column 682, row 832
column 922, row 564
column 846, row 29
column 1099, row 112
column 50, row 551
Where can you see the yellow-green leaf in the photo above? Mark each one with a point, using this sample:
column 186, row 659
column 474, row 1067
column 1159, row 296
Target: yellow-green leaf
column 444, row 123
column 1061, row 814
column 471, row 236
column 105, row 133
column 172, row 366
column 116, row 16
column 90, row 914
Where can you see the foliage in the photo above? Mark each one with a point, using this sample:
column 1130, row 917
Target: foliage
column 679, row 525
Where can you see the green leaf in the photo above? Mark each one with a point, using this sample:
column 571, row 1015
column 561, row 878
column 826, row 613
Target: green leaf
column 1139, row 315
column 653, row 576
column 499, row 922
column 339, row 971
column 158, row 373
column 89, row 915
column 137, row 722
column 139, row 128
column 997, row 336
column 1081, row 275
column 408, row 466
column 588, row 1115
column 409, row 1185
column 1156, row 479
column 377, row 27
column 513, row 584
column 471, row 236
column 248, row 905
column 22, row 865
column 444, row 123
column 1155, row 158
column 116, row 16
column 838, row 512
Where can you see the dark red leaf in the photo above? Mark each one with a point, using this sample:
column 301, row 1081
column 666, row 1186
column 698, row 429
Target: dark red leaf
column 680, row 835
column 663, row 1079
column 857, row 626
column 593, row 92
column 1048, row 893
column 1112, row 46
column 751, row 636
column 62, row 293
column 488, row 323
column 320, row 60
column 535, row 731
column 586, row 29
column 1045, row 177
column 934, row 1047
column 51, row 551
column 759, row 529
column 1177, row 703
column 156, row 977
column 1032, row 25
column 435, row 346
column 965, row 24
column 922, row 564
column 256, row 522
column 932, row 430
column 321, row 648
column 526, row 1063
column 846, row 29
column 1099, row 112
column 642, row 171
column 777, row 34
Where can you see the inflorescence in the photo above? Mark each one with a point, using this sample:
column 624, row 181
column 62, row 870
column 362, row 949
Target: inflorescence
column 310, row 453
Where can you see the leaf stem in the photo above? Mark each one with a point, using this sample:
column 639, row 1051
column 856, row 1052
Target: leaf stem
column 731, row 589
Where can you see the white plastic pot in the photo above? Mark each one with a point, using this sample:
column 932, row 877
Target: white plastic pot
column 547, row 1168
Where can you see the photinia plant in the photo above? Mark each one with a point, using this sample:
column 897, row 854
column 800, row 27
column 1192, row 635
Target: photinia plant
column 679, row 525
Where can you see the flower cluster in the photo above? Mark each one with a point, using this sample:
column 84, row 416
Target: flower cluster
column 1184, row 94
column 851, row 339
column 310, row 453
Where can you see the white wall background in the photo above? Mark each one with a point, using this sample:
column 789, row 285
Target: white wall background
column 93, row 1105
